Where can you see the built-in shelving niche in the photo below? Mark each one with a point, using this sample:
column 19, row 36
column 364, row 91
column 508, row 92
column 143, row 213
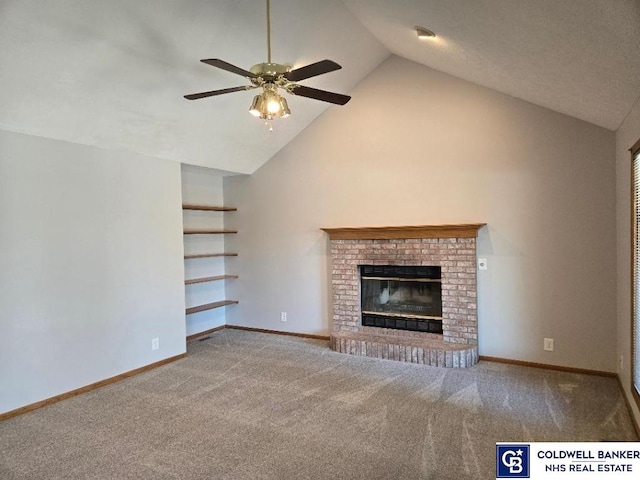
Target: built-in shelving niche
column 199, row 256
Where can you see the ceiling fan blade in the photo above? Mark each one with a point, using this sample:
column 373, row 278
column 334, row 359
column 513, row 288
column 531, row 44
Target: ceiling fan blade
column 195, row 96
column 322, row 95
column 312, row 70
column 216, row 62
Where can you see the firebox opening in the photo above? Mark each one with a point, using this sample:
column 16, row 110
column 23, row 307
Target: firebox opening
column 401, row 297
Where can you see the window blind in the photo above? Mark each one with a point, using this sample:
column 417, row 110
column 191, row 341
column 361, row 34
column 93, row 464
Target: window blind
column 636, row 272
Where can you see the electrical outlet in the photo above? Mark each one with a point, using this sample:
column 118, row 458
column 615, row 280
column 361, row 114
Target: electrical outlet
column 283, row 316
column 482, row 264
column 155, row 343
column 548, row 344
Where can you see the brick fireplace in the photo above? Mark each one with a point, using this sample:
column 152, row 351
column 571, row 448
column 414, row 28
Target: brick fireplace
column 449, row 248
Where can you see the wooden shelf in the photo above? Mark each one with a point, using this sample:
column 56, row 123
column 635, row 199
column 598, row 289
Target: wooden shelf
column 208, row 208
column 210, row 255
column 465, row 230
column 210, row 306
column 208, row 232
column 208, row 279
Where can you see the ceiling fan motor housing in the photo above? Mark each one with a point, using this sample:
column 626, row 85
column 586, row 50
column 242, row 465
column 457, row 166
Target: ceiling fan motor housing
column 269, row 69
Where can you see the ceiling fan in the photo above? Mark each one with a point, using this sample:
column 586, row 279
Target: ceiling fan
column 273, row 77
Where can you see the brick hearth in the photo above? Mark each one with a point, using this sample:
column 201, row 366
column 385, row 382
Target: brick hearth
column 452, row 247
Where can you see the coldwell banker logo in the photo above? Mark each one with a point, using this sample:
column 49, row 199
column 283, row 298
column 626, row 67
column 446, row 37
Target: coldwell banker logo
column 512, row 461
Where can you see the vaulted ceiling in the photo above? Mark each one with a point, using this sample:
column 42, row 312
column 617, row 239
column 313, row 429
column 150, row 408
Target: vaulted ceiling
column 112, row 74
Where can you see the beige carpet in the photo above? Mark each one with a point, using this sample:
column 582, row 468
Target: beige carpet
column 254, row 406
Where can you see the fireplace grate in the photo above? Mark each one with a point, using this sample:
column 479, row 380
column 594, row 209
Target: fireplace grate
column 416, row 325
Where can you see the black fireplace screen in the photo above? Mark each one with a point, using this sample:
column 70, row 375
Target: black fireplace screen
column 401, row 297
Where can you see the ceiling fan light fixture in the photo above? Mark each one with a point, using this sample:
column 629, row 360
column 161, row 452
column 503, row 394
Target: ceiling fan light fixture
column 257, row 108
column 424, row 33
column 269, row 105
column 272, row 100
column 274, row 107
column 284, row 108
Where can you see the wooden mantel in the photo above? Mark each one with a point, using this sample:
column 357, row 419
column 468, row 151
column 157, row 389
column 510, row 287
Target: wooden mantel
column 464, row 230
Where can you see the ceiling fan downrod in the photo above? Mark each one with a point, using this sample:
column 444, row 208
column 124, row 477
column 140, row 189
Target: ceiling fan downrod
column 268, row 31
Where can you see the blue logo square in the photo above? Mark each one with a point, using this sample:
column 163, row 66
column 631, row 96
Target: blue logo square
column 512, row 461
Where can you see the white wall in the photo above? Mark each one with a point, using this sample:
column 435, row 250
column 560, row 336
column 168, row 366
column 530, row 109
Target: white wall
column 90, row 265
column 626, row 136
column 416, row 146
column 203, row 186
